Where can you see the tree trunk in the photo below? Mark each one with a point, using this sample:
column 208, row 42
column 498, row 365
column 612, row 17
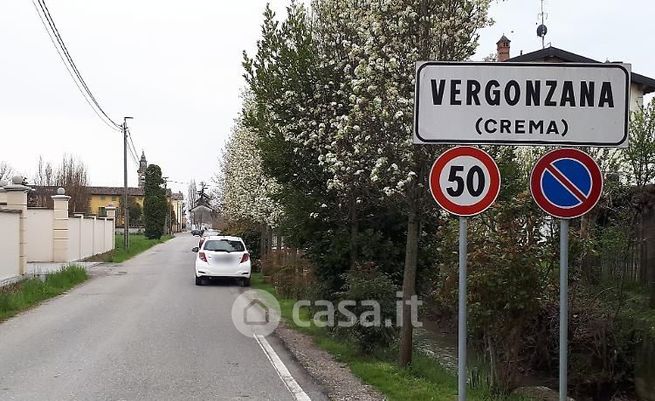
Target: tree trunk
column 278, row 251
column 641, row 240
column 409, row 284
column 354, row 233
column 262, row 241
column 269, row 240
column 649, row 244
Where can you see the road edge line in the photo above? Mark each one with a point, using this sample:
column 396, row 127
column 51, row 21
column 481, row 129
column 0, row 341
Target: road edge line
column 281, row 369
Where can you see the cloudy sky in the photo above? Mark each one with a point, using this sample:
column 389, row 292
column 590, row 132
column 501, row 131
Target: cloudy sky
column 176, row 67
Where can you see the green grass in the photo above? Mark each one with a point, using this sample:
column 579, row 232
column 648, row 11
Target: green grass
column 424, row 380
column 28, row 293
column 138, row 243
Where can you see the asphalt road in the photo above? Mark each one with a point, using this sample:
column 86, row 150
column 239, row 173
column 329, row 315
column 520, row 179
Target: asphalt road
column 141, row 331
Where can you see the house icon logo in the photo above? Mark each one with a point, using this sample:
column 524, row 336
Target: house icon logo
column 253, row 320
column 255, row 312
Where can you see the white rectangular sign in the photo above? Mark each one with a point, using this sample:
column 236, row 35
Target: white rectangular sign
column 522, row 103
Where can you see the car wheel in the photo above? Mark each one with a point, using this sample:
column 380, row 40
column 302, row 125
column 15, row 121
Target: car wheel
column 245, row 282
column 198, row 280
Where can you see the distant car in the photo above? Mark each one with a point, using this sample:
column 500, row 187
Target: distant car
column 223, row 257
column 207, row 233
column 196, row 233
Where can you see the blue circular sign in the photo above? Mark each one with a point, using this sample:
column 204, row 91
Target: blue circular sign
column 566, row 183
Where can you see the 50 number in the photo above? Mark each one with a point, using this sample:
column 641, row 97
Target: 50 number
column 473, row 187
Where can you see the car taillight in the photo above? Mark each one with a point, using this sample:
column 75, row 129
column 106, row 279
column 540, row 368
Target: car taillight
column 202, row 256
column 245, row 257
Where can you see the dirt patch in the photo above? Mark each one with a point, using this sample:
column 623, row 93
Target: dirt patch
column 336, row 378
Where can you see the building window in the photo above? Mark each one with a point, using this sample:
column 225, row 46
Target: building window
column 102, row 197
column 102, row 212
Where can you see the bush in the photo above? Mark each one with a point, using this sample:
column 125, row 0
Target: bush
column 27, row 293
column 291, row 275
column 367, row 283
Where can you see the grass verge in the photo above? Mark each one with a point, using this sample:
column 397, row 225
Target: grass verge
column 424, row 380
column 138, row 244
column 28, row 293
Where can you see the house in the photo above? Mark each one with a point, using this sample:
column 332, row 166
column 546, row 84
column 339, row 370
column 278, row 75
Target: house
column 94, row 200
column 100, row 197
column 640, row 84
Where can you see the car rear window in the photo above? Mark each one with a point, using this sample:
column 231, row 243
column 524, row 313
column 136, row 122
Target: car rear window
column 223, row 245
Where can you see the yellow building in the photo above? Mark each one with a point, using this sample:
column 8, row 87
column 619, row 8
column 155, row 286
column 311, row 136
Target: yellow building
column 95, row 200
column 101, row 197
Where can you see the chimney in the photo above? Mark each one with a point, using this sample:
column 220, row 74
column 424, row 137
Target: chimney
column 502, row 50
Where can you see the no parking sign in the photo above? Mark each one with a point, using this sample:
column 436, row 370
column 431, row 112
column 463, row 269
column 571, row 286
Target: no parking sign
column 566, row 183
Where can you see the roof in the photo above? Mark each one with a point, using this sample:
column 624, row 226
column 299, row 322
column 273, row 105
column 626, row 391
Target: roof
column 554, row 54
column 503, row 39
column 113, row 191
column 202, row 207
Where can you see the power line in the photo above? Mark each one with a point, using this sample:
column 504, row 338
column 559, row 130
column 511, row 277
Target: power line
column 55, row 37
column 65, row 56
column 44, row 8
column 132, row 148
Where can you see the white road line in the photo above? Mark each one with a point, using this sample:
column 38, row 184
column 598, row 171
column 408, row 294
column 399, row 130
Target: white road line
column 282, row 371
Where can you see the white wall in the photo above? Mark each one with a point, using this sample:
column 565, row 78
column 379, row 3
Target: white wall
column 88, row 236
column 98, row 236
column 109, row 235
column 39, row 231
column 74, row 240
column 9, row 245
column 636, row 98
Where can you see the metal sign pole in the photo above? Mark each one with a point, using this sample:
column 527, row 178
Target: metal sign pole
column 461, row 337
column 563, row 307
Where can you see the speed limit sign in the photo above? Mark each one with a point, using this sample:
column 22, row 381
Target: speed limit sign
column 465, row 181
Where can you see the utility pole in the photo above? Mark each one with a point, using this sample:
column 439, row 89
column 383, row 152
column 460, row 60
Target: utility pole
column 168, row 208
column 126, row 213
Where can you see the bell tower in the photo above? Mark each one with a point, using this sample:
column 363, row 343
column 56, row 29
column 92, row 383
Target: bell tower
column 143, row 165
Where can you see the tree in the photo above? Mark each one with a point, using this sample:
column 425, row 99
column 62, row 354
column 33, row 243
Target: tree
column 391, row 36
column 6, row 171
column 246, row 191
column 73, row 177
column 333, row 114
column 154, row 203
column 192, row 194
column 135, row 211
column 639, row 159
column 44, row 174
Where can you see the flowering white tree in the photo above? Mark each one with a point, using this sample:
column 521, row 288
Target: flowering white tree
column 333, row 108
column 373, row 140
column 246, row 193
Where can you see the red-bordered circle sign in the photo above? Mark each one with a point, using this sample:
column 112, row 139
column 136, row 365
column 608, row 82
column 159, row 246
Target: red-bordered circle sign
column 465, row 181
column 566, row 183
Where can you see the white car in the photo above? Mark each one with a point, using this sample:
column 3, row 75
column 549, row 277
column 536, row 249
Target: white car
column 223, row 256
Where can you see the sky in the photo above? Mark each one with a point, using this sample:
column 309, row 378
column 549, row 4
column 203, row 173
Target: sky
column 176, row 68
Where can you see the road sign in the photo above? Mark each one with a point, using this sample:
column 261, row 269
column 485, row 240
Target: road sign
column 566, row 183
column 465, row 181
column 522, row 103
